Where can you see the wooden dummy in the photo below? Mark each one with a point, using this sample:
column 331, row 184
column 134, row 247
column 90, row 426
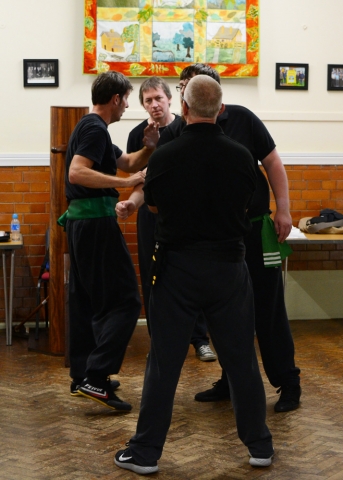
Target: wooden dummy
column 62, row 123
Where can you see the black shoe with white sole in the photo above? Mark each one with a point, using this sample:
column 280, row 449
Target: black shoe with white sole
column 124, row 459
column 102, row 392
column 75, row 385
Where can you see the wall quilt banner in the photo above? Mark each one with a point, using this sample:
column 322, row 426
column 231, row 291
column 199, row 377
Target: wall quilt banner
column 142, row 38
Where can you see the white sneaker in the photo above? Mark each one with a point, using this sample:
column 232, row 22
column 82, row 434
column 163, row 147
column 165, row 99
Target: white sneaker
column 205, row 354
column 260, row 462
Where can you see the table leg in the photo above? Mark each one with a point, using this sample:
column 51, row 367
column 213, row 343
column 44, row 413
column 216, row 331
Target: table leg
column 10, row 312
column 285, row 275
column 5, row 293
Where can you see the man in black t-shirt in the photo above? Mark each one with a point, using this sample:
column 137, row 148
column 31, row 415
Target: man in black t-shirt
column 155, row 96
column 203, row 174
column 104, row 302
column 272, row 326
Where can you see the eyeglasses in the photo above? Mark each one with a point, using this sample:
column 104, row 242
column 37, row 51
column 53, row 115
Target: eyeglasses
column 182, row 98
column 181, row 87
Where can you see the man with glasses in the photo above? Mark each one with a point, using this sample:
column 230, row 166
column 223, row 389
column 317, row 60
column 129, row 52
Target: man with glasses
column 199, row 270
column 271, row 321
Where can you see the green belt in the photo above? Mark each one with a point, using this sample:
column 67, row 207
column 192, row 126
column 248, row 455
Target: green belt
column 89, row 208
column 273, row 251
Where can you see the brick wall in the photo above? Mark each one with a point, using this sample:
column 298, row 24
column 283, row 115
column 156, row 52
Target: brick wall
column 311, row 189
column 25, row 190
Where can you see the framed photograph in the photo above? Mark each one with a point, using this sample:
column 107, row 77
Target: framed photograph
column 335, row 77
column 291, row 76
column 40, row 73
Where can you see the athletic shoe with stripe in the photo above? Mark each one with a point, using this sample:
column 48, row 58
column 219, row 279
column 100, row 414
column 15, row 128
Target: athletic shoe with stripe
column 124, row 459
column 75, row 384
column 102, row 392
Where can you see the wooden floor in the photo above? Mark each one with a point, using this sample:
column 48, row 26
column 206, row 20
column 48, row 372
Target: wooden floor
column 45, row 434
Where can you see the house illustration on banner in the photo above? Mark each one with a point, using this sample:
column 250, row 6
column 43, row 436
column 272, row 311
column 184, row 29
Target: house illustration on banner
column 112, row 42
column 227, row 37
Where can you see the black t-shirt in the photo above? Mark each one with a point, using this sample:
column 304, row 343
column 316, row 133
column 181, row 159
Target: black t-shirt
column 201, row 184
column 91, row 139
column 245, row 127
column 135, row 140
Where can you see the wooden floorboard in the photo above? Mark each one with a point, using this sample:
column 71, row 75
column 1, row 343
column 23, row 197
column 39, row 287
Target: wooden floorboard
column 45, row 434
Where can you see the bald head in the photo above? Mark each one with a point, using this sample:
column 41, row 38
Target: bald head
column 203, row 96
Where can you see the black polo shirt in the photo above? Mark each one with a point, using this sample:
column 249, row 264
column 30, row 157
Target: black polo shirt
column 201, row 184
column 245, row 127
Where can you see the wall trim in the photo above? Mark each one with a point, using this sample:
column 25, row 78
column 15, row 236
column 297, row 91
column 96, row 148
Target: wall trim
column 312, row 158
column 24, row 159
column 43, row 159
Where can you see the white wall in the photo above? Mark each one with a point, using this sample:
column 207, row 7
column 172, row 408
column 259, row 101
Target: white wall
column 303, row 31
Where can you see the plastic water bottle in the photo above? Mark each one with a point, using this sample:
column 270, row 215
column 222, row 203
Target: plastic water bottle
column 15, row 228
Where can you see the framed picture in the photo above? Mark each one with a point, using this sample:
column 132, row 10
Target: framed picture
column 335, row 77
column 291, row 76
column 40, row 73
column 141, row 38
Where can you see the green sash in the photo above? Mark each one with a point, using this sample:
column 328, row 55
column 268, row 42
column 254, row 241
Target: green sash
column 89, row 208
column 273, row 251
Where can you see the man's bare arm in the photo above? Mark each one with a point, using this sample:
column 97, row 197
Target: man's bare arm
column 81, row 173
column 278, row 181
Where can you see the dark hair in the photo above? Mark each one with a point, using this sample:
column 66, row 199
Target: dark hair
column 154, row 82
column 108, row 84
column 199, row 69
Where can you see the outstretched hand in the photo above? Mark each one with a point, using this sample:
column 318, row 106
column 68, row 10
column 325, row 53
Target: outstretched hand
column 151, row 135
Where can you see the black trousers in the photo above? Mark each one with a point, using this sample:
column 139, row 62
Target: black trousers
column 104, row 302
column 189, row 284
column 271, row 321
column 146, row 222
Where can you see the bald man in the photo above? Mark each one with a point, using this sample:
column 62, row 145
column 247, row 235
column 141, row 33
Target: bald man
column 200, row 271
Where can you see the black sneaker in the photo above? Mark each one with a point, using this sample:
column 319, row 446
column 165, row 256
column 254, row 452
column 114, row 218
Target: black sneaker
column 215, row 394
column 102, row 392
column 75, row 384
column 123, row 459
column 289, row 398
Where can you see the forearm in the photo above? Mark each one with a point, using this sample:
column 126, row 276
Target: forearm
column 137, row 195
column 278, row 181
column 89, row 178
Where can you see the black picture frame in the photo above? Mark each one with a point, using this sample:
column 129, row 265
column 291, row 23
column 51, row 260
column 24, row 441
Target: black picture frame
column 335, row 84
column 40, row 73
column 291, row 76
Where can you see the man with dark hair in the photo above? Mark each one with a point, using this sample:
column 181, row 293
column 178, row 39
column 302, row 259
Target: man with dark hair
column 155, row 96
column 271, row 321
column 104, row 302
column 200, row 270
